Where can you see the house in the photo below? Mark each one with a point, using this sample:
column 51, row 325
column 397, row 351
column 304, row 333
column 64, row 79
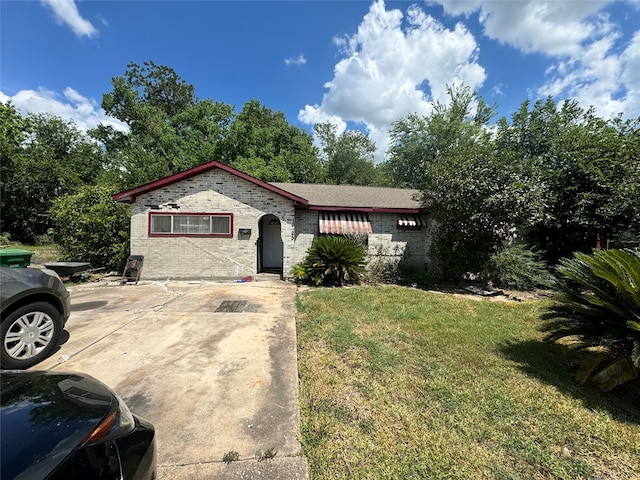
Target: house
column 215, row 222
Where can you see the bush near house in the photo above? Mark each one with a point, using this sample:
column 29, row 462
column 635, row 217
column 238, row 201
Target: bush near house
column 332, row 261
column 518, row 267
column 598, row 308
column 90, row 227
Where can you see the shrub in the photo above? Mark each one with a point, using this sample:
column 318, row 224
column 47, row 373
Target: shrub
column 385, row 264
column 599, row 306
column 5, row 238
column 332, row 260
column 89, row 226
column 517, row 267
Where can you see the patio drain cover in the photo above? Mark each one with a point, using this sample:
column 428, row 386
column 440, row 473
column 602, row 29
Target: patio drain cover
column 232, row 306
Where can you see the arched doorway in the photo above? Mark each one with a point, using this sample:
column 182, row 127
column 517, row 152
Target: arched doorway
column 270, row 245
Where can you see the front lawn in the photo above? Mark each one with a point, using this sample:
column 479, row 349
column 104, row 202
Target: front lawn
column 401, row 383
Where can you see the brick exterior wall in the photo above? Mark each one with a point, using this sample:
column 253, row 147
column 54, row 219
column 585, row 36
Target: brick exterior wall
column 209, row 258
column 390, row 244
column 387, row 242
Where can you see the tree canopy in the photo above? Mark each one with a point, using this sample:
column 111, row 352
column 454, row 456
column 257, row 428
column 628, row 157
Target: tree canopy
column 43, row 157
column 348, row 157
column 556, row 176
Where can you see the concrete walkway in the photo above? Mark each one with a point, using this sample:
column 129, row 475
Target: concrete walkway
column 212, row 365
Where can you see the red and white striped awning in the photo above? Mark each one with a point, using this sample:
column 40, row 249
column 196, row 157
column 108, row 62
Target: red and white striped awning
column 344, row 223
column 411, row 221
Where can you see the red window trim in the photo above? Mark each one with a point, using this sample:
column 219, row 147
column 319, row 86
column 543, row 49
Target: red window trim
column 192, row 235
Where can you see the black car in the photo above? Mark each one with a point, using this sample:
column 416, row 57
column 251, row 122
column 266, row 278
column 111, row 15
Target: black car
column 35, row 307
column 67, row 426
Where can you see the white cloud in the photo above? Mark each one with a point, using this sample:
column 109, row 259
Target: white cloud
column 581, row 41
column 66, row 12
column 299, row 60
column 630, row 76
column 84, row 112
column 550, row 27
column 394, row 65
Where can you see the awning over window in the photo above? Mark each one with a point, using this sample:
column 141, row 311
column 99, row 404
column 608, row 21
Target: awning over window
column 344, row 223
column 412, row 221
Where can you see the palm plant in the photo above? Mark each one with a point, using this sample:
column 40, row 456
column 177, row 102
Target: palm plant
column 332, row 260
column 599, row 306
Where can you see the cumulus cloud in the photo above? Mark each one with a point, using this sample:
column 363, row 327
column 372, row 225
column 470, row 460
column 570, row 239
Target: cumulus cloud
column 551, row 27
column 84, row 112
column 395, row 64
column 299, row 60
column 66, row 12
column 588, row 63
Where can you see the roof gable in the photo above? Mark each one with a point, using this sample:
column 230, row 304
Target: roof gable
column 129, row 196
column 304, row 195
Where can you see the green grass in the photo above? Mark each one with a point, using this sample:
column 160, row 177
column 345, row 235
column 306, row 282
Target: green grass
column 397, row 383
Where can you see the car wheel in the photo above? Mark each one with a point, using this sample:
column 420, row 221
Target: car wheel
column 29, row 335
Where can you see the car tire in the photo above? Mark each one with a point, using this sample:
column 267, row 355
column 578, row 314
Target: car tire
column 29, row 335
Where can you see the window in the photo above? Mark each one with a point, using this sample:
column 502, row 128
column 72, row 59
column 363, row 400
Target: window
column 410, row 222
column 190, row 224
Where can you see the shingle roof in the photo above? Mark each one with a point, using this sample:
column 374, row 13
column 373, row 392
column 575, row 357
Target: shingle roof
column 304, row 195
column 352, row 196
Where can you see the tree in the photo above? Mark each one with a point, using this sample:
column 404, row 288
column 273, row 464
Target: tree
column 89, row 226
column 589, row 167
column 170, row 130
column 13, row 132
column 477, row 193
column 348, row 157
column 49, row 158
column 263, row 144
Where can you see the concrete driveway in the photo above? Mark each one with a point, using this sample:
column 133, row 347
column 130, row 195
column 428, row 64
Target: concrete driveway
column 212, row 365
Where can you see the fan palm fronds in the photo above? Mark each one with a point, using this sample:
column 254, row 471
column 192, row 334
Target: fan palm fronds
column 599, row 305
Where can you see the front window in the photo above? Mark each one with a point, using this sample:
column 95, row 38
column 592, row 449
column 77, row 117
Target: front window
column 190, row 224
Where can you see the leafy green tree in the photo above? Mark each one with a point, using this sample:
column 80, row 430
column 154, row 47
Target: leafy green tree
column 52, row 158
column 599, row 306
column 348, row 157
column 478, row 194
column 589, row 167
column 14, row 129
column 89, row 226
column 170, row 129
column 419, row 140
column 263, row 144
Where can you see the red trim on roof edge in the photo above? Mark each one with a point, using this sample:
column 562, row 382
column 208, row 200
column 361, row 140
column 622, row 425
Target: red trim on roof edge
column 129, row 196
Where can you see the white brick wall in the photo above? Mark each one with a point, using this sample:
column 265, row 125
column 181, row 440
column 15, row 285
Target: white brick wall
column 215, row 191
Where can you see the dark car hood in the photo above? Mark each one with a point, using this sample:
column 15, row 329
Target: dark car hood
column 44, row 416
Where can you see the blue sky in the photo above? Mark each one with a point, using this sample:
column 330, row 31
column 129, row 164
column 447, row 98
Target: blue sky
column 359, row 64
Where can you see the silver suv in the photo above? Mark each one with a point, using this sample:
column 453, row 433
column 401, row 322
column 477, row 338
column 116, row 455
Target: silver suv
column 35, row 306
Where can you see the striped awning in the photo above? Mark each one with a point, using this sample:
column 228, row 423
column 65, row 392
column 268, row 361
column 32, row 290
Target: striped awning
column 411, row 221
column 344, row 223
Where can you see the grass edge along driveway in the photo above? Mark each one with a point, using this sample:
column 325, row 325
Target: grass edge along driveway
column 401, row 383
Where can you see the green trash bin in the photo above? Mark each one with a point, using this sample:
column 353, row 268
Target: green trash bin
column 15, row 258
